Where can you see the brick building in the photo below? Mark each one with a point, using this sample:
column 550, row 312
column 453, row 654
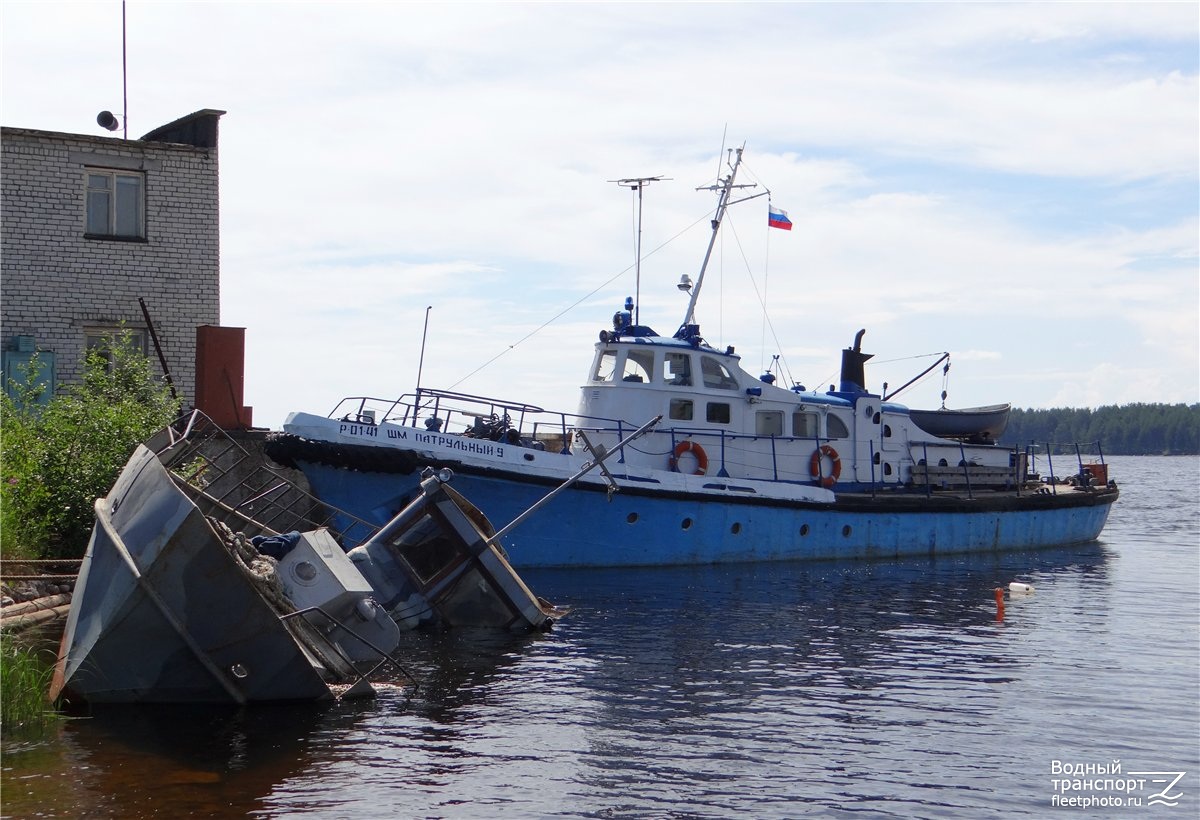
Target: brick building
column 91, row 224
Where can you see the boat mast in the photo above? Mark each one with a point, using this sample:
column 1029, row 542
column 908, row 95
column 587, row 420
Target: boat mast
column 421, row 361
column 726, row 187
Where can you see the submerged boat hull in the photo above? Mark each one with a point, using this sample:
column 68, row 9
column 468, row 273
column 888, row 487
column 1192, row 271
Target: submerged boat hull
column 435, row 563
column 183, row 597
column 639, row 526
column 162, row 615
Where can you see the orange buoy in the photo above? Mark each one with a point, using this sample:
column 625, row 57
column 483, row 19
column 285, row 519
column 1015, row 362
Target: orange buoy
column 693, row 447
column 835, row 466
column 999, row 603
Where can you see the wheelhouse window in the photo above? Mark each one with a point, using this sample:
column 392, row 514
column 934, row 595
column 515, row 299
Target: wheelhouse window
column 606, row 364
column 717, row 374
column 426, row 549
column 681, row 409
column 768, row 423
column 639, row 366
column 717, row 413
column 804, row 425
column 677, row 369
column 836, row 428
column 115, row 204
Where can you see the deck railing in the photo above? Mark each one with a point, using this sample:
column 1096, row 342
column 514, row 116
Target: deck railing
column 787, row 457
column 238, row 488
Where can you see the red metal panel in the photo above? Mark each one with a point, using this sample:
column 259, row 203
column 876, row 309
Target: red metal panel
column 220, row 375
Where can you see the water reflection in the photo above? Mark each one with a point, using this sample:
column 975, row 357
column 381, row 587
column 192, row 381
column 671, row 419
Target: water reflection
column 849, row 614
column 457, row 669
column 853, row 620
column 764, row 684
column 132, row 761
column 738, row 674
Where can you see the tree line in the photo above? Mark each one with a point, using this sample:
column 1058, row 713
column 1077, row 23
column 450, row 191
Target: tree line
column 1127, row 430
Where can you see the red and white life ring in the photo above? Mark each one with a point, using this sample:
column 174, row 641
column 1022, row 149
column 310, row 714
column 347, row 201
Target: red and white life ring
column 689, row 446
column 835, row 465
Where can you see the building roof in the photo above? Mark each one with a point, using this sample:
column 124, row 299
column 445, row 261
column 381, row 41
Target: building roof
column 198, row 128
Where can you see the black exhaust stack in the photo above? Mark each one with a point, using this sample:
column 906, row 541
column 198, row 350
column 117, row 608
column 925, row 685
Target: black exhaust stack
column 854, row 378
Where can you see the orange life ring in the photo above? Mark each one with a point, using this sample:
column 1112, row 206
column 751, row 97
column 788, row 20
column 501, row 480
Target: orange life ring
column 695, row 449
column 835, row 468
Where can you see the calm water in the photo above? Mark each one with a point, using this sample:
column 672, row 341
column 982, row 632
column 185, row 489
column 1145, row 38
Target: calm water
column 827, row 689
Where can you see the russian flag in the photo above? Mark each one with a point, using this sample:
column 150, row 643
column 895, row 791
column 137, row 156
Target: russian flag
column 777, row 218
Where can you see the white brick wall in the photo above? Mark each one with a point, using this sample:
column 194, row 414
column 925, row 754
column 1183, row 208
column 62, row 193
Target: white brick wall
column 54, row 283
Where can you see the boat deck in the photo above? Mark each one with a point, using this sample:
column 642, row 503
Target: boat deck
column 1032, row 496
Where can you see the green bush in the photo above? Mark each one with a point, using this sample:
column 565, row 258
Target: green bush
column 56, row 459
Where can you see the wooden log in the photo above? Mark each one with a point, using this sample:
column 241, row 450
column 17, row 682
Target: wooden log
column 48, row 602
column 16, row 623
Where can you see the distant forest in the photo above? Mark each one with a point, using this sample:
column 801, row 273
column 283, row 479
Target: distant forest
column 1127, row 430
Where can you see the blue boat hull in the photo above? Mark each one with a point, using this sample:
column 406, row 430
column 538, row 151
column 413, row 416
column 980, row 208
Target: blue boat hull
column 583, row 527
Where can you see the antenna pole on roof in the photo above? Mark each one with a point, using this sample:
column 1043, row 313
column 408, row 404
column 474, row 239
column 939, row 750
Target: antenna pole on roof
column 124, row 76
column 637, row 184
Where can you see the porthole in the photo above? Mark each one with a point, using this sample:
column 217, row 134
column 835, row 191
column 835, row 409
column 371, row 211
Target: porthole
column 804, row 529
column 846, row 531
column 632, row 518
column 887, row 431
column 887, row 469
column 686, row 524
column 736, row 528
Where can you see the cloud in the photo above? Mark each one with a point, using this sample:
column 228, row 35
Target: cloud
column 1017, row 179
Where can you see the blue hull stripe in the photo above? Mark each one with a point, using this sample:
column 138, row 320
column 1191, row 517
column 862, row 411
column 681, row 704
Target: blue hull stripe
column 584, row 528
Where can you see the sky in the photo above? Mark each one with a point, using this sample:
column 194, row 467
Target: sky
column 1015, row 184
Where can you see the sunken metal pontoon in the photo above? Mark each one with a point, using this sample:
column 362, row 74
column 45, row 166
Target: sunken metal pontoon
column 211, row 577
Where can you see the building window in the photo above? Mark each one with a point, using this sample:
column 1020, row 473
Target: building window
column 102, row 340
column 115, row 204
